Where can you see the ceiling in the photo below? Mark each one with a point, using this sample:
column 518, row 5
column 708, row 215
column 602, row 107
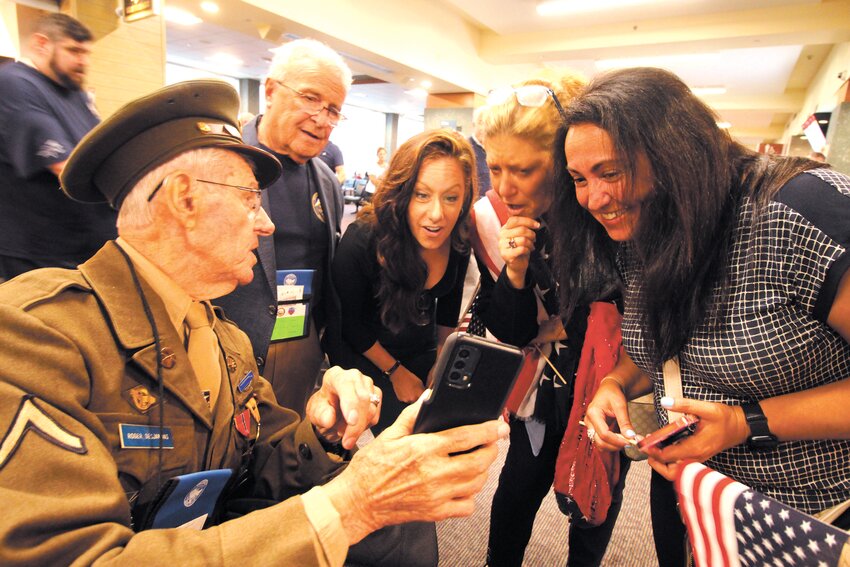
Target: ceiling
column 764, row 53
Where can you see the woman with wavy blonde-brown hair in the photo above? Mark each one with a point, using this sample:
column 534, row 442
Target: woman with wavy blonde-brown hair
column 400, row 266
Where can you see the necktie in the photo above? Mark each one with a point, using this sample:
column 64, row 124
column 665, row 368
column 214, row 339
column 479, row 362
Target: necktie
column 203, row 350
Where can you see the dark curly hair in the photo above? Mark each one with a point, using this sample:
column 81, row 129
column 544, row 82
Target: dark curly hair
column 403, row 272
column 700, row 178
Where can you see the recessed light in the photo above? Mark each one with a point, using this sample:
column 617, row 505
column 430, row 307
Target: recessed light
column 426, row 84
column 180, row 17
column 724, row 125
column 209, row 7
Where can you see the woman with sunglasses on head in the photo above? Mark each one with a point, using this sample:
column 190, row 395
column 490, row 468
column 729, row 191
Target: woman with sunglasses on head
column 735, row 265
column 518, row 303
column 400, row 266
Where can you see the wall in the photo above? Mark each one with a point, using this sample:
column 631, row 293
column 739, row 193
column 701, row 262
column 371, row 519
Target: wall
column 128, row 60
column 821, row 95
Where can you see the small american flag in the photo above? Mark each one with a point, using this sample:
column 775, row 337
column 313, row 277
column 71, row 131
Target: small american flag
column 471, row 323
column 732, row 525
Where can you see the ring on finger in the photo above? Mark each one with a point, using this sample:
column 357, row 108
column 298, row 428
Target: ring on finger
column 375, row 399
column 512, row 242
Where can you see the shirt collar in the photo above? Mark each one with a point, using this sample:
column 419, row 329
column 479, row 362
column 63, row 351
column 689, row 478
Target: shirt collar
column 175, row 300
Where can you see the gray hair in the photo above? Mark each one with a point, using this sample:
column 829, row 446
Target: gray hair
column 299, row 54
column 209, row 163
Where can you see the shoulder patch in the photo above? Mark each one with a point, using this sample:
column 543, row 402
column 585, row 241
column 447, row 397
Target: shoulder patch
column 31, row 417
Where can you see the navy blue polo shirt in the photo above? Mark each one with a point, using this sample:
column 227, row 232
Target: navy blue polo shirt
column 40, row 123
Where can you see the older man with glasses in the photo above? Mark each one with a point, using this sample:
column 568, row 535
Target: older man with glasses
column 285, row 309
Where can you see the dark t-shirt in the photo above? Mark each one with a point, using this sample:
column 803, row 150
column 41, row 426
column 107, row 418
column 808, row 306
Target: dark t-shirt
column 40, row 123
column 300, row 236
column 356, row 274
column 332, row 156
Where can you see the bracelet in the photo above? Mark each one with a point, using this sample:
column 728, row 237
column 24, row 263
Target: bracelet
column 389, row 371
column 620, row 384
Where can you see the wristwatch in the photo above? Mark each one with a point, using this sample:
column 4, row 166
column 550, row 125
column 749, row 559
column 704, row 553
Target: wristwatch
column 760, row 436
column 389, row 371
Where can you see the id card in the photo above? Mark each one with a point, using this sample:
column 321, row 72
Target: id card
column 294, row 291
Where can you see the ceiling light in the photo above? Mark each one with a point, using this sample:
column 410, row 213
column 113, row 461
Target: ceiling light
column 209, row 7
column 724, row 125
column 561, row 7
column 181, row 17
column 703, row 91
column 225, row 59
column 426, row 84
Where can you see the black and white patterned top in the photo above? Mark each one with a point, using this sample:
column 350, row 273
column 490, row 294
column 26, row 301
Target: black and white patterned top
column 785, row 269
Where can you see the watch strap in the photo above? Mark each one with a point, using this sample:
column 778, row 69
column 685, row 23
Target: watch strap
column 760, row 434
column 389, row 371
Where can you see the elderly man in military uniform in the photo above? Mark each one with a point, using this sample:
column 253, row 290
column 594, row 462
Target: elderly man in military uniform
column 135, row 426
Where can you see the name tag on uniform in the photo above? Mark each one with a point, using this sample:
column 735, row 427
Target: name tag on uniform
column 144, row 436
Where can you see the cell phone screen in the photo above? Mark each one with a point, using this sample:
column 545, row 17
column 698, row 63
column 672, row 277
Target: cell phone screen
column 670, row 433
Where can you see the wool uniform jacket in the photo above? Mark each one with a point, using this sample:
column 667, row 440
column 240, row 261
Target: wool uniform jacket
column 77, row 359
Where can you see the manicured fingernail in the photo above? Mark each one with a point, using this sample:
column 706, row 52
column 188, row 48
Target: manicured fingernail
column 630, row 433
column 667, row 402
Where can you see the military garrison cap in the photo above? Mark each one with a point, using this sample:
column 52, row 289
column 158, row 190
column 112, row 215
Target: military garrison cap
column 149, row 131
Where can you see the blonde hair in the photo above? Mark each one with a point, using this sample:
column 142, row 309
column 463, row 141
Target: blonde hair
column 537, row 125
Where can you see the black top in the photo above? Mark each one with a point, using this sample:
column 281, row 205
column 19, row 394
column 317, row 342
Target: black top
column 512, row 314
column 356, row 273
column 40, row 123
column 300, row 236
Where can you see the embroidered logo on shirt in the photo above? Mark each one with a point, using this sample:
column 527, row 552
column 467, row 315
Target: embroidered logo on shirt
column 50, row 149
column 317, row 207
column 31, row 417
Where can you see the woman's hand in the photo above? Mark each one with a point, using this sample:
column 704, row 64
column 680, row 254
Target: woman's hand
column 720, row 427
column 516, row 242
column 406, row 385
column 550, row 331
column 609, row 405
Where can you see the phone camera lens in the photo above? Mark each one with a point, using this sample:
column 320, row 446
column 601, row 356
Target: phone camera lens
column 460, row 364
column 463, row 354
column 455, row 376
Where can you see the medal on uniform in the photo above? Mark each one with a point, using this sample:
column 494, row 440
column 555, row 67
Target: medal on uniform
column 243, row 423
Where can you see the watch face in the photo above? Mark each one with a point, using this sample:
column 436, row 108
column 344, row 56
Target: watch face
column 762, row 441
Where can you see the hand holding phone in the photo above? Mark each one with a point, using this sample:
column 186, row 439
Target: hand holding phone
column 670, row 433
column 474, row 376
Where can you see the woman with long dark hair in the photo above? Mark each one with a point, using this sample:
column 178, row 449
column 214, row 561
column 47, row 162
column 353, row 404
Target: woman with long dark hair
column 400, row 266
column 734, row 267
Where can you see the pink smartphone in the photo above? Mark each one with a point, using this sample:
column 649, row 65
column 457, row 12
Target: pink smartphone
column 670, row 433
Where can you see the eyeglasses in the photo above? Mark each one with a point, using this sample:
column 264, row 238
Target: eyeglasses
column 533, row 96
column 312, row 105
column 253, row 204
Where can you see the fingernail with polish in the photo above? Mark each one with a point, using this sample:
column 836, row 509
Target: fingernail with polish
column 667, row 402
column 630, row 433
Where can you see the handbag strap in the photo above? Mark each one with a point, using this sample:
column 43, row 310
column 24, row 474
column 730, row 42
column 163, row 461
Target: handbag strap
column 672, row 385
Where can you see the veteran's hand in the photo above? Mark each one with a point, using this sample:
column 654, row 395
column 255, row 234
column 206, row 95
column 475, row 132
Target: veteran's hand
column 516, row 242
column 345, row 406
column 401, row 477
column 720, row 427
